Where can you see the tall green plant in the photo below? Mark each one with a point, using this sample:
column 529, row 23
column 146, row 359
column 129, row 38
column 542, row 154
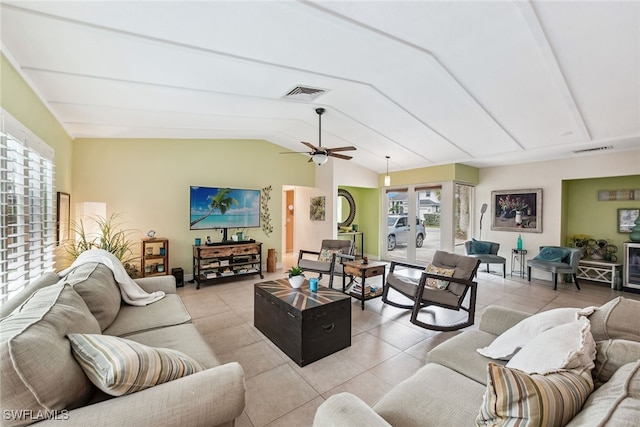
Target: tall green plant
column 111, row 237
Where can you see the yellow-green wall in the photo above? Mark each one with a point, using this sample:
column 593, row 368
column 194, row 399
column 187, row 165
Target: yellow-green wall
column 442, row 173
column 18, row 99
column 585, row 214
column 367, row 217
column 148, row 181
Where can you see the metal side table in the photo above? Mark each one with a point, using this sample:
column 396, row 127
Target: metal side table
column 517, row 260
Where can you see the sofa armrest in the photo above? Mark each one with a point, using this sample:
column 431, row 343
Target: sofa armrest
column 345, row 409
column 495, row 319
column 166, row 283
column 208, row 398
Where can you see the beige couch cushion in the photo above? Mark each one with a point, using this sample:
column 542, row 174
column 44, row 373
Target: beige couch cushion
column 46, row 279
column 459, row 353
column 616, row 319
column 185, row 338
column 94, row 282
column 613, row 354
column 38, row 370
column 434, row 396
column 168, row 311
column 616, row 403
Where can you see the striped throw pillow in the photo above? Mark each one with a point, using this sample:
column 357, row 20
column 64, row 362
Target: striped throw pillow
column 119, row 366
column 515, row 398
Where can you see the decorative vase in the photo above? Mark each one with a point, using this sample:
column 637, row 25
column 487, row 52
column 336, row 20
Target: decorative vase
column 635, row 231
column 518, row 217
column 508, row 214
column 296, row 281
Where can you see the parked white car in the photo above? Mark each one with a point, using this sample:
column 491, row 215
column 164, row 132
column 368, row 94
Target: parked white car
column 397, row 233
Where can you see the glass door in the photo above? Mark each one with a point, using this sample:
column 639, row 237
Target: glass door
column 429, row 206
column 412, row 224
column 397, row 225
column 463, row 217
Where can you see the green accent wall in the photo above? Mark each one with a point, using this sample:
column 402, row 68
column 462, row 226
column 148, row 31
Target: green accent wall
column 583, row 213
column 442, row 173
column 367, row 217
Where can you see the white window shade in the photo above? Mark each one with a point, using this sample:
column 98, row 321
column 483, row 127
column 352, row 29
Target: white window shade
column 27, row 207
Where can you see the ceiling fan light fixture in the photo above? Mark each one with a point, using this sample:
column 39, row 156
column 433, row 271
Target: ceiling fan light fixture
column 320, row 158
column 387, row 178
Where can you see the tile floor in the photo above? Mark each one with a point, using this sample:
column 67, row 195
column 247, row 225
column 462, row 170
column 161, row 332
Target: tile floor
column 385, row 347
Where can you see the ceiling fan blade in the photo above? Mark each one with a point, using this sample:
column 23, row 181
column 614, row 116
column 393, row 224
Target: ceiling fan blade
column 296, row 152
column 340, row 156
column 308, row 144
column 350, row 148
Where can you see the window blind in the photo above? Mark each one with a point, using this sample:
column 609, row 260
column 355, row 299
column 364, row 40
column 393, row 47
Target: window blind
column 27, row 207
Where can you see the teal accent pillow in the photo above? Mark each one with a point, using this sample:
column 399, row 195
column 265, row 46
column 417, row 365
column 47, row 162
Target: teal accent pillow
column 479, row 247
column 552, row 254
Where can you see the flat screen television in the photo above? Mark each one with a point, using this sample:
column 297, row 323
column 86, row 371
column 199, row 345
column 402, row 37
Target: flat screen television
column 223, row 208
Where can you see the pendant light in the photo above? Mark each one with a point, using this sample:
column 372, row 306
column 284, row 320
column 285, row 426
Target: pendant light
column 387, row 178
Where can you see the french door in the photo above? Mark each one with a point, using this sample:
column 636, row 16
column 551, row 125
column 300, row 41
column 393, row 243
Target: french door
column 411, row 223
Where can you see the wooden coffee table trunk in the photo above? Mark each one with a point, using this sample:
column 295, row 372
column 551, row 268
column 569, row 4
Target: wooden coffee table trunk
column 305, row 325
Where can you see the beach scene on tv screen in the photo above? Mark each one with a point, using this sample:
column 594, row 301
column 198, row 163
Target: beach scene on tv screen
column 224, row 208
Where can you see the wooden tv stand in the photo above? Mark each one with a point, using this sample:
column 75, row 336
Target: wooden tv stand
column 225, row 261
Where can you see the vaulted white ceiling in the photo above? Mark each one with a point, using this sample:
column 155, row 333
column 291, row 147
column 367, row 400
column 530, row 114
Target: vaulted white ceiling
column 424, row 82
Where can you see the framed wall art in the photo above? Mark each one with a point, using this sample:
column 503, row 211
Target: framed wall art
column 317, row 208
column 627, row 219
column 63, row 220
column 517, row 210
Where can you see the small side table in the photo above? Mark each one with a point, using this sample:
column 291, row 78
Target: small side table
column 363, row 271
column 599, row 271
column 517, row 258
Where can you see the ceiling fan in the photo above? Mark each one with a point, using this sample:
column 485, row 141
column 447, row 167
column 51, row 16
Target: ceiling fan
column 320, row 155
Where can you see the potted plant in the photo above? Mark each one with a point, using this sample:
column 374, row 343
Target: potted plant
column 111, row 236
column 296, row 276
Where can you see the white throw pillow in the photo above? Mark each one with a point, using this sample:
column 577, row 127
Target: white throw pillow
column 568, row 346
column 514, row 338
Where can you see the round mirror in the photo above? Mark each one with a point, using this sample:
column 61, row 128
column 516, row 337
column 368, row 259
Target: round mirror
column 347, row 212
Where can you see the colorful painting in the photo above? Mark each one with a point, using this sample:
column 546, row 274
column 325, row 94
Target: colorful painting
column 517, row 210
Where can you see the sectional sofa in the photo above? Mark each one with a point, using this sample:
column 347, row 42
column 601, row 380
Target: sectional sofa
column 72, row 351
column 458, row 386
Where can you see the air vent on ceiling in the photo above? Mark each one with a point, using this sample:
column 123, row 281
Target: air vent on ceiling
column 304, row 93
column 589, row 150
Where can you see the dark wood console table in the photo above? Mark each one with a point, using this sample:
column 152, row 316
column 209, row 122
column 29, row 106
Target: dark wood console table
column 228, row 260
